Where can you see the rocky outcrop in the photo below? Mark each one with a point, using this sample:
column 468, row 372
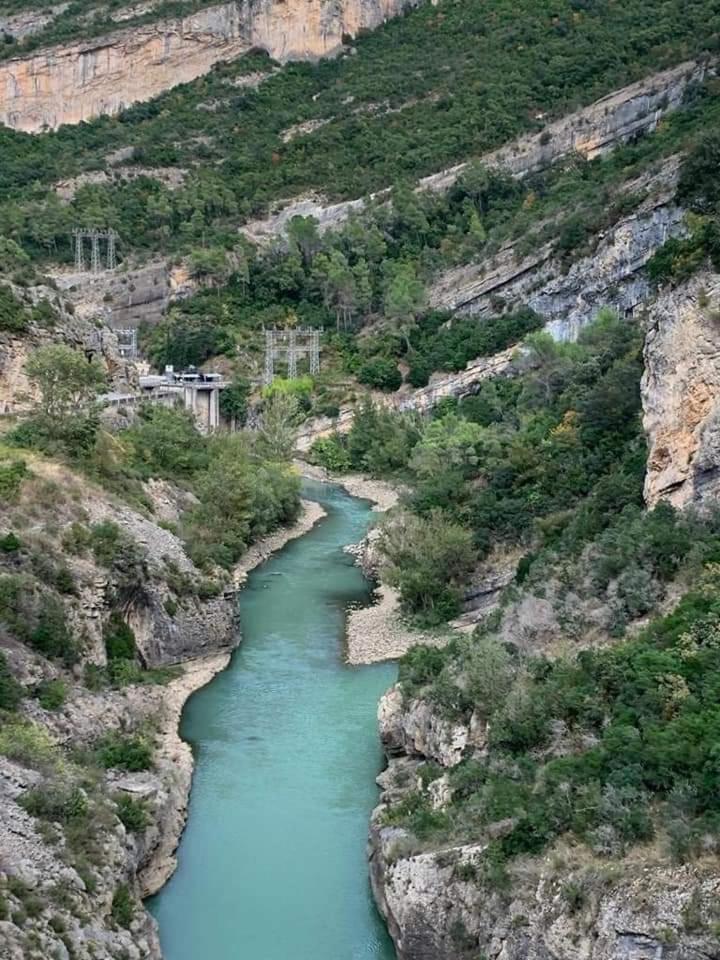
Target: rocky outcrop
column 437, row 909
column 681, row 394
column 569, row 298
column 439, row 899
column 415, row 728
column 589, row 132
column 75, row 82
column 79, row 331
column 125, row 298
column 153, row 587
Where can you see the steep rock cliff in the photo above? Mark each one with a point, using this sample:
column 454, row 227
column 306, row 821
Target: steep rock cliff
column 567, row 905
column 589, row 132
column 681, row 394
column 569, row 298
column 75, row 82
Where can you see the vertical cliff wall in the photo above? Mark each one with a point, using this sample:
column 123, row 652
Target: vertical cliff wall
column 681, row 394
column 75, row 82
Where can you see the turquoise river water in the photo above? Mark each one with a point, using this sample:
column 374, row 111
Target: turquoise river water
column 272, row 863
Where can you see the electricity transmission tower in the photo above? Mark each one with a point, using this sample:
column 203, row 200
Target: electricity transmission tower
column 94, row 237
column 291, row 345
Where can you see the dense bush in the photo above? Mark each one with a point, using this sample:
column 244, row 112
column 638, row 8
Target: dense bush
column 132, row 813
column 380, row 373
column 428, row 560
column 241, row 498
column 51, row 694
column 125, row 751
column 12, row 474
column 56, row 802
column 119, row 639
column 36, row 617
column 123, row 908
column 13, row 316
column 165, row 442
column 441, row 343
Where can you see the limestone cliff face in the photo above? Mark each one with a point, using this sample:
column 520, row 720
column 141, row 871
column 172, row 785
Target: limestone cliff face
column 570, row 298
column 75, row 82
column 438, row 908
column 681, row 394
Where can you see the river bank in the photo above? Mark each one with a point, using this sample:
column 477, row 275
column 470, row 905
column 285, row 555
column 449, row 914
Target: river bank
column 197, row 674
column 378, row 632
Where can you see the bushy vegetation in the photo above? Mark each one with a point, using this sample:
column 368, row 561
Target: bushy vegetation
column 427, row 89
column 595, row 745
column 548, row 457
column 133, row 813
column 12, row 474
column 119, row 639
column 131, row 752
column 697, row 191
column 36, row 616
column 241, row 499
column 11, row 692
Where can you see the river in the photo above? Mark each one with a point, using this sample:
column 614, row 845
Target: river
column 272, row 864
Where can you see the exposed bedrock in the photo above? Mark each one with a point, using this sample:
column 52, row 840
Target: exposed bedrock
column 569, row 298
column 438, row 908
column 681, row 394
column 73, row 82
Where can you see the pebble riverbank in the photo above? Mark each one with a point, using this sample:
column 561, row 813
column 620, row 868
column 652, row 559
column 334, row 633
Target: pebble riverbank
column 377, row 632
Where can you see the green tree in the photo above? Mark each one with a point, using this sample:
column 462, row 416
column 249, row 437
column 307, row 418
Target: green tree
column 68, row 383
column 234, row 400
column 339, row 286
column 303, row 235
column 281, row 416
column 428, row 559
column 404, row 299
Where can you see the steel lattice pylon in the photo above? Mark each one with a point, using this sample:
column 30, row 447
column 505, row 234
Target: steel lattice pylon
column 95, row 236
column 290, row 345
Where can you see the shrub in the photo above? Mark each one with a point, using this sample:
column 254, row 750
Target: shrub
column 13, row 316
column 52, row 694
column 28, row 743
column 11, row 692
column 12, row 475
column 127, row 752
column 56, row 802
column 381, row 373
column 427, row 559
column 123, row 907
column 330, row 452
column 119, row 639
column 51, row 635
column 132, row 812
column 10, row 543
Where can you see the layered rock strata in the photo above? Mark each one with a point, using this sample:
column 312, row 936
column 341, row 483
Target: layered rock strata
column 590, row 132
